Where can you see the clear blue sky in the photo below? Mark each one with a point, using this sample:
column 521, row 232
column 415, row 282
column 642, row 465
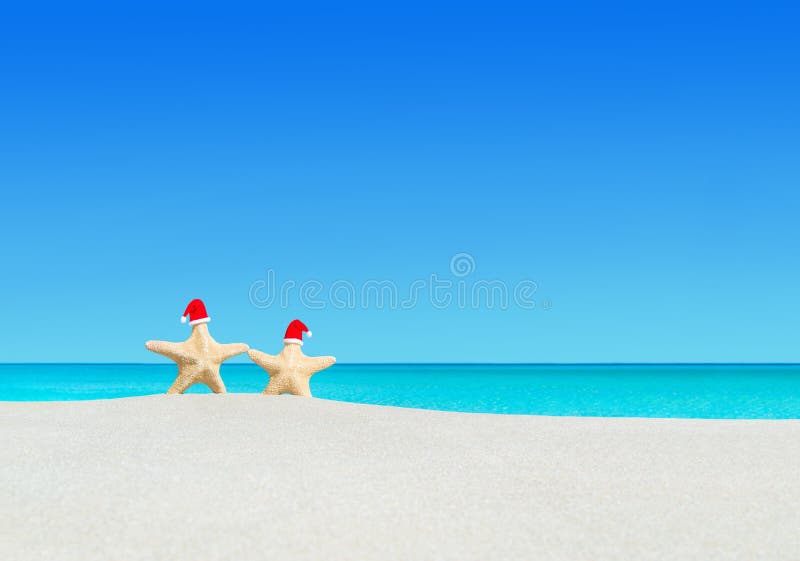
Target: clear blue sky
column 640, row 164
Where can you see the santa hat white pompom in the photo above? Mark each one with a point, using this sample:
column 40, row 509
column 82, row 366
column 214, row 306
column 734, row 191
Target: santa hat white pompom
column 183, row 319
column 309, row 334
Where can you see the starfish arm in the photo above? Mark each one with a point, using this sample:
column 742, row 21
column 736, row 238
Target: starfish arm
column 181, row 383
column 273, row 387
column 265, row 361
column 232, row 349
column 301, row 388
column 216, row 384
column 174, row 351
column 318, row 363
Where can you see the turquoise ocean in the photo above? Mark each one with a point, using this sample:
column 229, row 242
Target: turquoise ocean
column 723, row 391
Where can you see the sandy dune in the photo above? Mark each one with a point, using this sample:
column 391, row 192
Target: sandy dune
column 245, row 477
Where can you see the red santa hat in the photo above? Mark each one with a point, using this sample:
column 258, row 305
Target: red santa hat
column 196, row 312
column 294, row 333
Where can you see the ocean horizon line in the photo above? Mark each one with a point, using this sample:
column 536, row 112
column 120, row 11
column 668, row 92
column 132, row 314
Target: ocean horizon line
column 431, row 364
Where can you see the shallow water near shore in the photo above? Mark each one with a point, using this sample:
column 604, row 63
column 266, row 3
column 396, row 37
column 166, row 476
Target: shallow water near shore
column 688, row 391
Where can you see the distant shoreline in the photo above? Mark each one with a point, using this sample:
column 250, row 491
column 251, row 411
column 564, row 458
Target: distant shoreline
column 243, row 363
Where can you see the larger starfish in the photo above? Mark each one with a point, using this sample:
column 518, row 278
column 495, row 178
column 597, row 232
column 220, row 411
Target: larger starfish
column 199, row 357
column 290, row 371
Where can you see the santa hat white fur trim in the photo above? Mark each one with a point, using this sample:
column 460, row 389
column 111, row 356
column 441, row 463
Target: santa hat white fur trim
column 291, row 341
column 204, row 320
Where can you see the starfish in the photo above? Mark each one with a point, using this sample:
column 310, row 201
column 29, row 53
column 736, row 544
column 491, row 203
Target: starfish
column 290, row 370
column 198, row 359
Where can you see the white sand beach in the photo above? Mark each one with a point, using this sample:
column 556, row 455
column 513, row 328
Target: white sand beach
column 244, row 477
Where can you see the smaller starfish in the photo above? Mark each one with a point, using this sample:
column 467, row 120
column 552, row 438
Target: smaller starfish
column 290, row 371
column 200, row 356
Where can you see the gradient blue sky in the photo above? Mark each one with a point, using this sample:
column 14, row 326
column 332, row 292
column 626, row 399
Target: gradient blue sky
column 639, row 162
